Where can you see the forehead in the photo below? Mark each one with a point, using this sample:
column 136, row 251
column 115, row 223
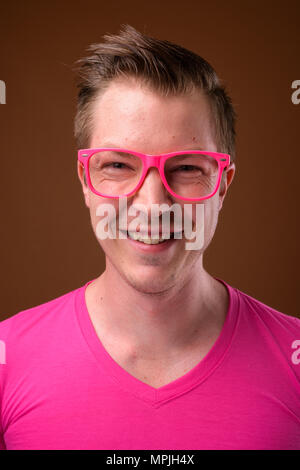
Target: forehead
column 132, row 115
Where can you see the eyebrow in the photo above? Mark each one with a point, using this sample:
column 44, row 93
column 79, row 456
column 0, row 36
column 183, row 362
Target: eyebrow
column 111, row 145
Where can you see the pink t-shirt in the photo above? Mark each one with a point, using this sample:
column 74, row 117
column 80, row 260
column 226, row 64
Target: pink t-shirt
column 60, row 389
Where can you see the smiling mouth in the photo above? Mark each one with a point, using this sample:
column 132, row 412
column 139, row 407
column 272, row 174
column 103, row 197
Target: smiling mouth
column 143, row 238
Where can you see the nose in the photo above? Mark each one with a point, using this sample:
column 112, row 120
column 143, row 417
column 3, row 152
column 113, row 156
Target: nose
column 152, row 190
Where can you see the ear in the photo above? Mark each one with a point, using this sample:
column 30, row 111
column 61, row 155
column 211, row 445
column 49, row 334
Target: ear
column 226, row 181
column 82, row 179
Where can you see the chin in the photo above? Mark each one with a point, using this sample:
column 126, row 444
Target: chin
column 150, row 284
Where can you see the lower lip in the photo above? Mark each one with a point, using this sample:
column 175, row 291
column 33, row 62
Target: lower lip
column 153, row 248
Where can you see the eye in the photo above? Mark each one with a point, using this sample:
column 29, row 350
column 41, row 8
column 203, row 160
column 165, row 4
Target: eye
column 118, row 165
column 187, row 168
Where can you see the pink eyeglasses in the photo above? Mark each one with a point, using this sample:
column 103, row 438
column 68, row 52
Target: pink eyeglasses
column 191, row 175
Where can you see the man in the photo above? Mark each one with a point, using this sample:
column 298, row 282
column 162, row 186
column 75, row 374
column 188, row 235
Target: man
column 155, row 353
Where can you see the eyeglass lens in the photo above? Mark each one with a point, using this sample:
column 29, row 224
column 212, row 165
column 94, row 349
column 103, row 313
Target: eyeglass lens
column 118, row 173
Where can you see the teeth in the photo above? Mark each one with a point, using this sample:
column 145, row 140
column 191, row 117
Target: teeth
column 148, row 241
column 177, row 233
column 136, row 236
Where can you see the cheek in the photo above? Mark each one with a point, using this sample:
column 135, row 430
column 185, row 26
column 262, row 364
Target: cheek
column 206, row 214
column 211, row 218
column 103, row 213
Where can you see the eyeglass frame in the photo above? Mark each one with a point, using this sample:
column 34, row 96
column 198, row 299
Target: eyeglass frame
column 153, row 161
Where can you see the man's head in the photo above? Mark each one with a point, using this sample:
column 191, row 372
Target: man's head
column 152, row 97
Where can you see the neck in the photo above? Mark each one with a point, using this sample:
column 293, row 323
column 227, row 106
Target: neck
column 160, row 324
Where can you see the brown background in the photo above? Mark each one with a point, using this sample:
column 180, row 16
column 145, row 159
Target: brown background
column 47, row 244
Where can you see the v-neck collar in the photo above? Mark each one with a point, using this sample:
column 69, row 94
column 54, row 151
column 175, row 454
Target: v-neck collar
column 141, row 390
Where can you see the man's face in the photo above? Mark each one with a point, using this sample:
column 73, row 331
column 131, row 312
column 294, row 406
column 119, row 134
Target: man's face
column 132, row 117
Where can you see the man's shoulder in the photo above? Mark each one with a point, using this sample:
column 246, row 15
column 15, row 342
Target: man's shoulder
column 32, row 338
column 23, row 321
column 271, row 329
column 267, row 314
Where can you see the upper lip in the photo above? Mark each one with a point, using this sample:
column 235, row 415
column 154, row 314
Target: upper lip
column 147, row 233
